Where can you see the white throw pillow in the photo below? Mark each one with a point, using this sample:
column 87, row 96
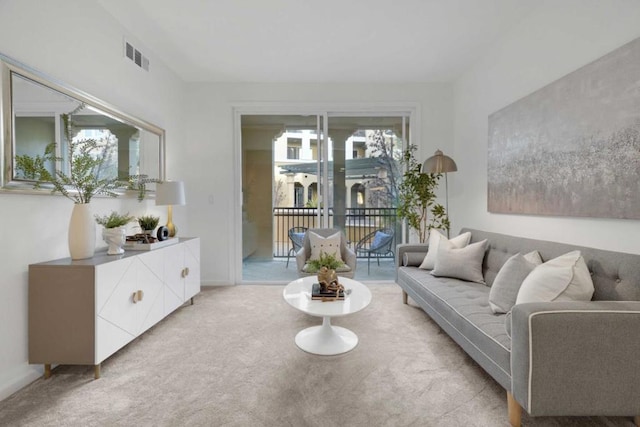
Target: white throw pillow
column 434, row 241
column 328, row 245
column 505, row 287
column 565, row 278
column 460, row 263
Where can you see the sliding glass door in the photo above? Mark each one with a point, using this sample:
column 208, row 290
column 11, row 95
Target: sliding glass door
column 323, row 170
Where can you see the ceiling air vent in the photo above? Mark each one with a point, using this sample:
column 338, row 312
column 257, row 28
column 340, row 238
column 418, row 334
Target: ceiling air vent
column 136, row 56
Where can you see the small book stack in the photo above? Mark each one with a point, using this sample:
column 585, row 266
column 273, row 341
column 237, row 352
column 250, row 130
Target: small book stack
column 317, row 294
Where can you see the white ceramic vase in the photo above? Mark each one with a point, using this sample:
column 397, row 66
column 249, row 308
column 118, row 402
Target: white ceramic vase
column 115, row 238
column 82, row 232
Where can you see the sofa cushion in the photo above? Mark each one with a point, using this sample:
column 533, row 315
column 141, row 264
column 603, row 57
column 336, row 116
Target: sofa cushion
column 412, row 259
column 504, row 291
column 462, row 310
column 434, row 241
column 564, row 278
column 460, row 263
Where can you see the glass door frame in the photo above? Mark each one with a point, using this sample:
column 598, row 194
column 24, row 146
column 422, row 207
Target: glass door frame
column 324, row 111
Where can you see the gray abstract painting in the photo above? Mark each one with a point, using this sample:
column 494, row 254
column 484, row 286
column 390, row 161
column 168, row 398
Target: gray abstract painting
column 573, row 147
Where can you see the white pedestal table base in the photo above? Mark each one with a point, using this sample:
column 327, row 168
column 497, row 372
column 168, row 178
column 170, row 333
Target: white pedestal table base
column 326, row 340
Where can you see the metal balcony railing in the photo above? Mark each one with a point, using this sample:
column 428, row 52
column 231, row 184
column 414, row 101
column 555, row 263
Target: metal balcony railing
column 358, row 223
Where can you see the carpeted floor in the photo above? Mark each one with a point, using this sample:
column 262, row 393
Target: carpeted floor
column 231, row 360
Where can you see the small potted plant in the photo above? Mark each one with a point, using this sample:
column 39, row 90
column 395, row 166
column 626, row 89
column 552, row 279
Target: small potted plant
column 325, row 260
column 148, row 223
column 114, row 233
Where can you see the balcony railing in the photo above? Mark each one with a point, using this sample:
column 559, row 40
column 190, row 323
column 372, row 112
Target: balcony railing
column 358, row 223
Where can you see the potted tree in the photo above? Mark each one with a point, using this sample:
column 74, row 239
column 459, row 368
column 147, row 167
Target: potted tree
column 416, row 198
column 114, row 232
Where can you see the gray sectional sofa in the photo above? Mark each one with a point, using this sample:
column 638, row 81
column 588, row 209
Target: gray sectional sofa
column 563, row 358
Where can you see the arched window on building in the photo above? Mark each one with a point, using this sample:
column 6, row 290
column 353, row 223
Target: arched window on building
column 357, row 196
column 298, row 195
column 312, row 193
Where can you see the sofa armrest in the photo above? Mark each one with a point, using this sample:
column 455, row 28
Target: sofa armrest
column 576, row 358
column 402, row 248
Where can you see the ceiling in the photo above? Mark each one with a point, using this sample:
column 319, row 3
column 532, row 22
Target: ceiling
column 333, row 41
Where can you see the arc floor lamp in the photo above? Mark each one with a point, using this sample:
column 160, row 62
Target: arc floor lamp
column 441, row 163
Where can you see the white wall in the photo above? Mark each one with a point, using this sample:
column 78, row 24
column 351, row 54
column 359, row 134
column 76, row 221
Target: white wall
column 556, row 39
column 77, row 42
column 210, row 152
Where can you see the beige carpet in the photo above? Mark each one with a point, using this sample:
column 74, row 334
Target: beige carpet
column 231, row 360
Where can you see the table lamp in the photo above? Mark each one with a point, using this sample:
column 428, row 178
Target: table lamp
column 170, row 193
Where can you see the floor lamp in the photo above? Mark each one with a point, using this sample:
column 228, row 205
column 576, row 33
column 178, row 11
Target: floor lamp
column 170, row 193
column 439, row 163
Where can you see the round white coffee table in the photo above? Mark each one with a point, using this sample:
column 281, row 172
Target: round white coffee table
column 326, row 339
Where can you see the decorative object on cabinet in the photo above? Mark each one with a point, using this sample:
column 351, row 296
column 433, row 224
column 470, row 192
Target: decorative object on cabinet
column 437, row 164
column 135, row 243
column 82, row 232
column 162, row 233
column 82, row 312
column 114, row 232
column 80, row 184
column 115, row 238
column 170, row 193
column 148, row 223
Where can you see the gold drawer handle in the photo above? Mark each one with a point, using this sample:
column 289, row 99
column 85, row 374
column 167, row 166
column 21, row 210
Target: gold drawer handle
column 185, row 272
column 137, row 296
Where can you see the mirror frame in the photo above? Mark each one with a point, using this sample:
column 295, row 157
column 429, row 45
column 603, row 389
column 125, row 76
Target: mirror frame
column 8, row 66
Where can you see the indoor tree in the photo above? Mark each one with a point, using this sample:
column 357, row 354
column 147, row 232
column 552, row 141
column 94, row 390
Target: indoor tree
column 416, row 198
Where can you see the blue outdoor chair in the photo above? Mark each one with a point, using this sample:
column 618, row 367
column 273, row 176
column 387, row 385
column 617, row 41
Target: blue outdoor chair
column 378, row 244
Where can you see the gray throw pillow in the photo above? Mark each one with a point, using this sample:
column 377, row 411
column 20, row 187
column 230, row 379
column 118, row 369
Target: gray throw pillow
column 412, row 259
column 464, row 263
column 505, row 287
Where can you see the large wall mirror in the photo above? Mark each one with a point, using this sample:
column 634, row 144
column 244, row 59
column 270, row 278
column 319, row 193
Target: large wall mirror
column 32, row 106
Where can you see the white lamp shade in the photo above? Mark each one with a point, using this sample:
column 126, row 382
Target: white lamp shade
column 170, row 193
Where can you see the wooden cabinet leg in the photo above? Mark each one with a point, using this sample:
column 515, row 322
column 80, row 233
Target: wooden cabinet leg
column 47, row 371
column 636, row 420
column 514, row 410
column 191, row 300
column 96, row 371
column 405, row 297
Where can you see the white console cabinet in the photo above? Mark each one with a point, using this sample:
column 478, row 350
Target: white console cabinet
column 83, row 311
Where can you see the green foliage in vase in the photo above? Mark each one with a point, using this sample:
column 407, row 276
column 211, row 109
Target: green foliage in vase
column 416, row 198
column 148, row 222
column 83, row 181
column 114, row 219
column 325, row 260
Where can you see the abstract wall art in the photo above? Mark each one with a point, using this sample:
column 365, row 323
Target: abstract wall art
column 571, row 148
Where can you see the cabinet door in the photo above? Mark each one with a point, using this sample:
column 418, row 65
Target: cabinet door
column 192, row 263
column 116, row 321
column 173, row 272
column 151, row 283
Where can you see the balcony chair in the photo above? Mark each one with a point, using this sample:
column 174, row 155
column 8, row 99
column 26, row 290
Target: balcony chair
column 378, row 243
column 348, row 255
column 296, row 235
